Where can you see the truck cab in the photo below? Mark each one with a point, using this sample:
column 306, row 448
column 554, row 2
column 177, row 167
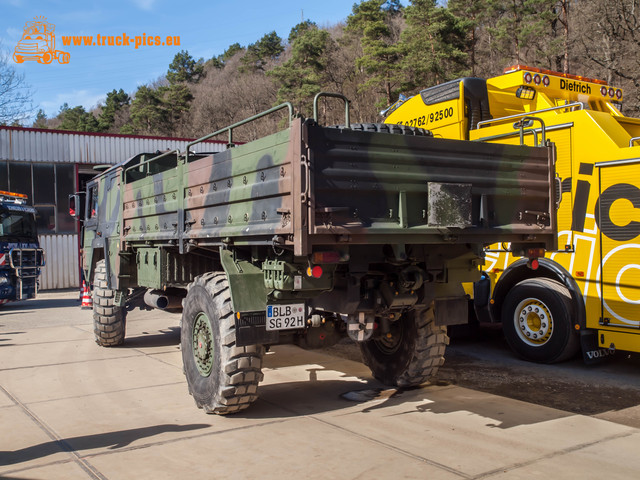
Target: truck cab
column 20, row 256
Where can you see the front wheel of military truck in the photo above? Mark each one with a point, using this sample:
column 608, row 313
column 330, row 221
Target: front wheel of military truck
column 221, row 377
column 109, row 320
column 410, row 352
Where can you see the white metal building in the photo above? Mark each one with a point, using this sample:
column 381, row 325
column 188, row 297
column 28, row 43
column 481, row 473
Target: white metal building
column 48, row 165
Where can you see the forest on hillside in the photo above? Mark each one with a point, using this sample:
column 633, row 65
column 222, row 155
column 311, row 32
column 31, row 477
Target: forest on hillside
column 381, row 50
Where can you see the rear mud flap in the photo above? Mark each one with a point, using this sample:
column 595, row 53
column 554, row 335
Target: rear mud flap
column 592, row 353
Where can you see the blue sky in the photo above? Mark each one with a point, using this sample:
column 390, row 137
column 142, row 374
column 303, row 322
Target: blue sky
column 205, row 29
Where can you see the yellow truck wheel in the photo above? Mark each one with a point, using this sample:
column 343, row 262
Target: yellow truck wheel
column 537, row 321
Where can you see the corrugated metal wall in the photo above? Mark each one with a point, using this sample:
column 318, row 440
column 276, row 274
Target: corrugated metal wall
column 61, row 269
column 33, row 145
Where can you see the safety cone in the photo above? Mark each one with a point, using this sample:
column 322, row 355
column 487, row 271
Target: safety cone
column 87, row 302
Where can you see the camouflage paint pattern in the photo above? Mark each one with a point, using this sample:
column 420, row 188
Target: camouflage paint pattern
column 309, row 188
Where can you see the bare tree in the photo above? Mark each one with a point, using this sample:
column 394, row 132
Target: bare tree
column 15, row 94
column 610, row 39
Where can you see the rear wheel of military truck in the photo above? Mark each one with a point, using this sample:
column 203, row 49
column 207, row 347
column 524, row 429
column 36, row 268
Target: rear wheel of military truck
column 411, row 351
column 221, row 377
column 109, row 320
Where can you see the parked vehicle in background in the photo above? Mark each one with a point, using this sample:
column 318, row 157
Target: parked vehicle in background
column 21, row 257
column 588, row 291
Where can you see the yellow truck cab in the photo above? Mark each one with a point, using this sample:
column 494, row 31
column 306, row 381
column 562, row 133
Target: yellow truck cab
column 587, row 293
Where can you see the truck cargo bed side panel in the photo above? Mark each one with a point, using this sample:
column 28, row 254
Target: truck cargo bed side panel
column 243, row 193
column 150, row 207
column 367, row 186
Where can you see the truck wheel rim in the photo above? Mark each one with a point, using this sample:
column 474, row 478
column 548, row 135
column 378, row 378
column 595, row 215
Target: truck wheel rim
column 533, row 322
column 203, row 344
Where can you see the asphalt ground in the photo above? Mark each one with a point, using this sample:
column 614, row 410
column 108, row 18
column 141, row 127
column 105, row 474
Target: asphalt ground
column 72, row 410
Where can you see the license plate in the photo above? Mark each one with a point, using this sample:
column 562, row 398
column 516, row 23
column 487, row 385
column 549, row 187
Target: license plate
column 286, row 317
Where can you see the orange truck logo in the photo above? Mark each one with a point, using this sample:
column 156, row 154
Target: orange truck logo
column 38, row 43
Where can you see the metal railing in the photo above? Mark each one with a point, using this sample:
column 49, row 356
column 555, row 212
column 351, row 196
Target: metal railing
column 230, row 128
column 347, row 117
column 577, row 105
column 26, row 264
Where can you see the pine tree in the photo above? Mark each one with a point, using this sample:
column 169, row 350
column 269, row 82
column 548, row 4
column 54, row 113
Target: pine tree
column 258, row 54
column 370, row 21
column 40, row 120
column 304, row 74
column 435, row 42
column 523, row 31
column 470, row 15
column 184, row 68
column 148, row 113
column 77, row 119
column 116, row 100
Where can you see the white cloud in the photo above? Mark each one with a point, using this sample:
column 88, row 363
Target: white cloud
column 144, row 4
column 14, row 34
column 9, row 41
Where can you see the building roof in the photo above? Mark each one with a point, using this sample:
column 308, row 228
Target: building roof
column 63, row 146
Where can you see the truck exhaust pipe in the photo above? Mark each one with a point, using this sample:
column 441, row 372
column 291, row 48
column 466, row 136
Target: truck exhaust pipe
column 163, row 300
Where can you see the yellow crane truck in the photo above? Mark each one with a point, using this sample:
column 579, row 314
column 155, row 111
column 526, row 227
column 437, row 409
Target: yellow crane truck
column 587, row 294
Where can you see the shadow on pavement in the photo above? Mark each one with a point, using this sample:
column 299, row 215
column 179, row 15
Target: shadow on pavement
column 7, row 339
column 12, row 308
column 322, row 396
column 166, row 338
column 112, row 440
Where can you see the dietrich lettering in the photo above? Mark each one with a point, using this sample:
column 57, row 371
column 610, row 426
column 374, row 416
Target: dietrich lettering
column 575, row 86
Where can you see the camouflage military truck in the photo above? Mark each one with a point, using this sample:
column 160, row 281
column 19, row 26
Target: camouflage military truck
column 307, row 236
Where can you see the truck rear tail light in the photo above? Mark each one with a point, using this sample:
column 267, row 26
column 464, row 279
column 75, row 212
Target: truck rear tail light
column 315, row 272
column 618, row 94
column 546, row 81
column 527, row 77
column 611, row 92
column 603, row 91
column 537, row 79
column 535, row 252
column 329, row 257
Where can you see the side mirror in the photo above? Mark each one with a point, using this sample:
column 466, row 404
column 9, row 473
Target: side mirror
column 76, row 205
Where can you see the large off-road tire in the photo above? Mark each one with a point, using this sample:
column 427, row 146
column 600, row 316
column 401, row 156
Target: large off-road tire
column 388, row 128
column 109, row 320
column 221, row 377
column 537, row 321
column 410, row 353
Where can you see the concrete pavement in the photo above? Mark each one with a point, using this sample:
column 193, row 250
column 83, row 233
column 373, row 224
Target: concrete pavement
column 72, row 410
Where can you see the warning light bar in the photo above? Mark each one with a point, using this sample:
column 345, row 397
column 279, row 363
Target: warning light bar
column 516, row 68
column 13, row 194
column 19, row 198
